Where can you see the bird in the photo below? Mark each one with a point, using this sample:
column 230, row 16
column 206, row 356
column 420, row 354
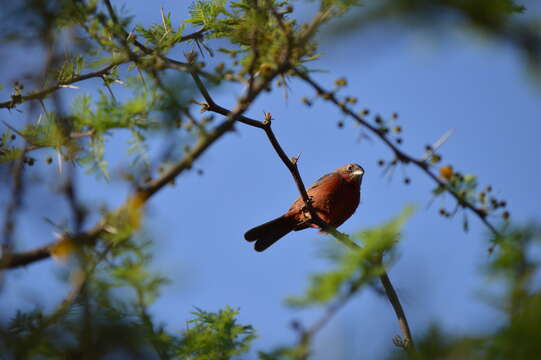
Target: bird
column 334, row 197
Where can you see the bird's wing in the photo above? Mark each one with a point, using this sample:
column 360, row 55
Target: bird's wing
column 312, row 190
column 320, row 181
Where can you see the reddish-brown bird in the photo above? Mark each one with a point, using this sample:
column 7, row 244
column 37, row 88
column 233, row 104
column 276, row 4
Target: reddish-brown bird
column 335, row 198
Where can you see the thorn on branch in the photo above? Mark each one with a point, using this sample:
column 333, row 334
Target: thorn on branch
column 204, row 106
column 68, row 87
column 268, row 118
column 295, row 159
column 399, row 342
column 130, row 37
column 190, row 56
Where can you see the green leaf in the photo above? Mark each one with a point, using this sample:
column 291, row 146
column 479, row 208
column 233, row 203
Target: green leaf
column 353, row 268
column 215, row 336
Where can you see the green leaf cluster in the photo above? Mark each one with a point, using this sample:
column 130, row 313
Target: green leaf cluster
column 162, row 36
column 73, row 66
column 215, row 336
column 353, row 268
column 260, row 31
column 111, row 314
column 205, row 13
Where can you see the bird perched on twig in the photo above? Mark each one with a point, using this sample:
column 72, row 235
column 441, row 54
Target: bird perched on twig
column 334, row 197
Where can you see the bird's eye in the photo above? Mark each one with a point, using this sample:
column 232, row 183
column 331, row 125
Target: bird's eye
column 350, row 168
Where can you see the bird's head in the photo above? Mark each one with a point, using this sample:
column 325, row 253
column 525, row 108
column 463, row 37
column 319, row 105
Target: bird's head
column 352, row 172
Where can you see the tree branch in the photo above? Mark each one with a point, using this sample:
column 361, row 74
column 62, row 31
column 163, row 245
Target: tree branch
column 41, row 94
column 17, row 99
column 399, row 154
column 143, row 194
column 291, row 165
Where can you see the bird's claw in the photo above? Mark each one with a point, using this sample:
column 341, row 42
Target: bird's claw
column 307, row 203
column 399, row 342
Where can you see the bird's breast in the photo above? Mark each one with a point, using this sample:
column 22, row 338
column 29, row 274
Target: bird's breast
column 341, row 203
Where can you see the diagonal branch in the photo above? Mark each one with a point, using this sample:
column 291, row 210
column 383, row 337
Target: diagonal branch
column 138, row 198
column 399, row 154
column 291, row 165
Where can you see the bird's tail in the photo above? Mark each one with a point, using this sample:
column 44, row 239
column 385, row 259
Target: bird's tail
column 270, row 232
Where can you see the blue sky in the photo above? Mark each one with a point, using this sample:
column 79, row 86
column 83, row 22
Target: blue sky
column 458, row 81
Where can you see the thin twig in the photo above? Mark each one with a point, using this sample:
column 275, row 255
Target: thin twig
column 41, row 94
column 168, row 62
